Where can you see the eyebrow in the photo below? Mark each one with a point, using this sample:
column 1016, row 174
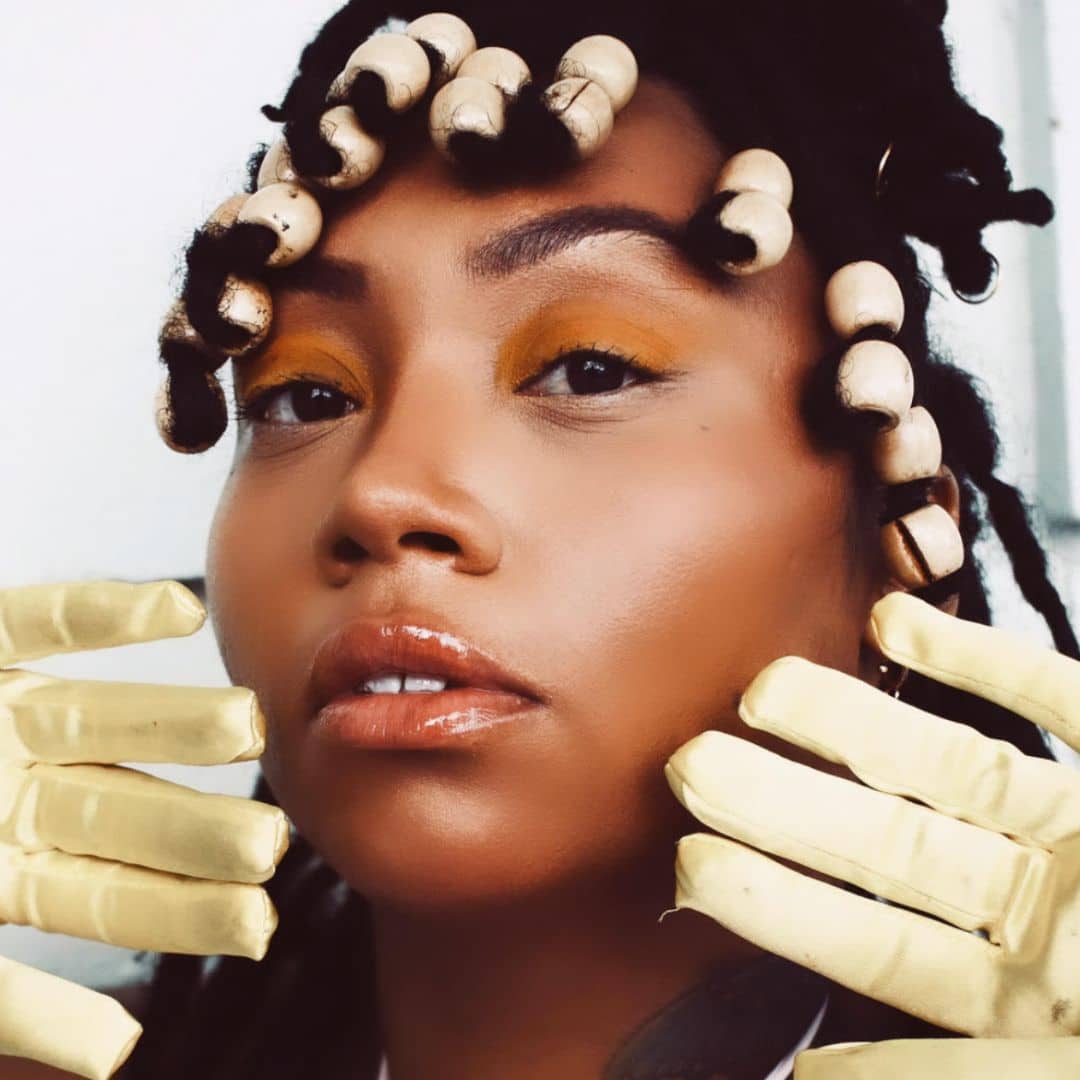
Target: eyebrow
column 531, row 242
column 515, row 248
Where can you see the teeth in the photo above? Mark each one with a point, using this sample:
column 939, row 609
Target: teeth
column 396, row 684
column 424, row 683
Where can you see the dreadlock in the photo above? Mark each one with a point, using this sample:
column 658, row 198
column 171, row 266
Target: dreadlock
column 829, row 86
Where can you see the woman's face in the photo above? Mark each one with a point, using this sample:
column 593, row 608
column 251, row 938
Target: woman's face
column 638, row 546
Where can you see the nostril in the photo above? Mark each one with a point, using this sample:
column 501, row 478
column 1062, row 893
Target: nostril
column 347, row 550
column 433, row 540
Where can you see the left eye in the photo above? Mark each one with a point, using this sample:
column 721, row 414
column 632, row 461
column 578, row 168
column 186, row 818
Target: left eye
column 588, row 372
column 298, row 403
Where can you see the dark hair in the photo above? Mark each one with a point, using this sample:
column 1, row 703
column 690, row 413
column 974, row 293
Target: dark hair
column 828, row 86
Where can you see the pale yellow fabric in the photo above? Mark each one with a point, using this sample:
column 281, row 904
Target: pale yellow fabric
column 943, row 1059
column 94, row 848
column 945, row 822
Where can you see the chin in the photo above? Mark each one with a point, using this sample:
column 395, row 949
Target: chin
column 434, row 847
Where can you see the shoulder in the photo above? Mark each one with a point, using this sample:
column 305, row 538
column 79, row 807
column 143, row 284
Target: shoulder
column 133, row 996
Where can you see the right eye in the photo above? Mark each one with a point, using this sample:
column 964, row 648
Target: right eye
column 300, row 401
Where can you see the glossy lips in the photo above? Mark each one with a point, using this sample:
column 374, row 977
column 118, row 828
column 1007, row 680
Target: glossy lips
column 480, row 692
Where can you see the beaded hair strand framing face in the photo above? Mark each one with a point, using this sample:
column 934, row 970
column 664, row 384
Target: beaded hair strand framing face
column 748, row 224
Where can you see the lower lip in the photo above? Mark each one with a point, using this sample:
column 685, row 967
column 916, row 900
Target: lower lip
column 418, row 721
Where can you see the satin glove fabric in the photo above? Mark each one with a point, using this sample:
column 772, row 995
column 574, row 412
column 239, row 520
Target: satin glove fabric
column 943, row 1059
column 91, row 848
column 992, row 842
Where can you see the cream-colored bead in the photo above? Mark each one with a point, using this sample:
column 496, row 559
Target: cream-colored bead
column 875, row 376
column 863, row 294
column 765, row 221
column 924, row 546
column 361, row 153
column 605, row 60
column 246, row 303
column 397, row 59
column 293, row 213
column 176, row 326
column 163, row 415
column 500, row 67
column 757, row 170
column 910, row 451
column 466, row 103
column 585, row 108
column 277, row 166
column 224, row 216
column 448, row 34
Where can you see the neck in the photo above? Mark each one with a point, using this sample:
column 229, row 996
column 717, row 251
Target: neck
column 583, row 983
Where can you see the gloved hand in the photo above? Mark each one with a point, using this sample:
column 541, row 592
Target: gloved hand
column 112, row 853
column 1047, row 1058
column 996, row 845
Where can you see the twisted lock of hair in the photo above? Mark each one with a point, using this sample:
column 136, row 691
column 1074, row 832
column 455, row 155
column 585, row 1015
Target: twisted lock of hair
column 828, row 86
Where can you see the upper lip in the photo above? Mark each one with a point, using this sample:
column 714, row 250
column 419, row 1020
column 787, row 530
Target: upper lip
column 366, row 647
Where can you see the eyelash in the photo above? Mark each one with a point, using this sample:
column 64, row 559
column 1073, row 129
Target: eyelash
column 254, row 410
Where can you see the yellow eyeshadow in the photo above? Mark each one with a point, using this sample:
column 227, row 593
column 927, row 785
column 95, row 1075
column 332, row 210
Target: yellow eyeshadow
column 580, row 325
column 297, row 356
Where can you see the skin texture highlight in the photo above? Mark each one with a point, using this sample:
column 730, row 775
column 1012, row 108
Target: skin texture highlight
column 638, row 554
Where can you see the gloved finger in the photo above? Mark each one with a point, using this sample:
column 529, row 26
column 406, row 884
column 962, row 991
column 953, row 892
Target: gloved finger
column 132, row 906
column 911, row 855
column 888, row 953
column 49, row 1019
column 896, row 747
column 44, row 620
column 64, row 721
column 112, row 812
column 1049, row 1058
column 1038, row 683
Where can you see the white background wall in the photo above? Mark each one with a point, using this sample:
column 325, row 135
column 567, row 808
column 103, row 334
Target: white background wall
column 128, row 122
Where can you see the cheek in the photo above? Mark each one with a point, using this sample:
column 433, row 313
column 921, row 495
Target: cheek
column 259, row 582
column 673, row 584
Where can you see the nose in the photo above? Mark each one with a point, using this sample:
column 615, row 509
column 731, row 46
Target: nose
column 405, row 496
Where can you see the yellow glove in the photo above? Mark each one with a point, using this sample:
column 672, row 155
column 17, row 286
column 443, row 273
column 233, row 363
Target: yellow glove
column 112, row 853
column 995, row 847
column 943, row 1059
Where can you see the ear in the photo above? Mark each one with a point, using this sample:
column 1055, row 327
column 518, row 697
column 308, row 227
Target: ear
column 945, row 491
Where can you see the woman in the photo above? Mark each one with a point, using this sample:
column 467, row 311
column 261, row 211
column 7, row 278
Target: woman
column 475, row 891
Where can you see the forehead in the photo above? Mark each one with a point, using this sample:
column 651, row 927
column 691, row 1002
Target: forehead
column 659, row 157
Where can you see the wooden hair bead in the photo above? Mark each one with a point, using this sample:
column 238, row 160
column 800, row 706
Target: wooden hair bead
column 910, row 451
column 247, row 304
column 224, row 216
column 875, row 376
column 277, row 166
column 293, row 213
column 585, row 109
column 243, row 302
column 397, row 59
column 757, row 170
column 361, row 153
column 922, row 547
column 765, row 221
column 176, row 326
column 503, row 68
column 446, row 33
column 466, row 103
column 605, row 60
column 863, row 294
column 164, row 417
